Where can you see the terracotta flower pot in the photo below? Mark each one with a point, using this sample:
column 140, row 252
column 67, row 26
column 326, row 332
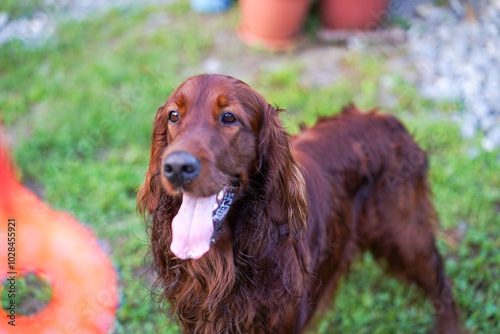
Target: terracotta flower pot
column 352, row 14
column 272, row 24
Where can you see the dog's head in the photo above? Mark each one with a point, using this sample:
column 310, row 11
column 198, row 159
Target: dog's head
column 214, row 137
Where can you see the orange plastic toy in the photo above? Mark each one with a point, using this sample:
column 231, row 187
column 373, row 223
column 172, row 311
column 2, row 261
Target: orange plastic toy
column 54, row 246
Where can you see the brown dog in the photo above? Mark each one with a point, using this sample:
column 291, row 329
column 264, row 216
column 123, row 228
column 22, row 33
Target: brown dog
column 249, row 238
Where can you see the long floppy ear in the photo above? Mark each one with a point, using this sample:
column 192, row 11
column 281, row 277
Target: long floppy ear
column 157, row 206
column 284, row 183
column 151, row 190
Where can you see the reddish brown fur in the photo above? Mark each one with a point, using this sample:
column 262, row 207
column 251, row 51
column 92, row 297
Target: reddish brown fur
column 355, row 182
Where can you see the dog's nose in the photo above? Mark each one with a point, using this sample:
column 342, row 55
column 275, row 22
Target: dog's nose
column 181, row 167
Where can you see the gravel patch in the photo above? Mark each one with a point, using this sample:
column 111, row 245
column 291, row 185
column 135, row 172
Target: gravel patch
column 41, row 25
column 456, row 52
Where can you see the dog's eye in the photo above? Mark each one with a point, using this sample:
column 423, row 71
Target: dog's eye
column 173, row 116
column 228, row 118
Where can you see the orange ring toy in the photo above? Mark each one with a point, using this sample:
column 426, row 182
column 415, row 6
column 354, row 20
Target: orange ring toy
column 56, row 247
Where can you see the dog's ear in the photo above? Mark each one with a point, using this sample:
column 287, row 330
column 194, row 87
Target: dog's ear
column 283, row 180
column 151, row 190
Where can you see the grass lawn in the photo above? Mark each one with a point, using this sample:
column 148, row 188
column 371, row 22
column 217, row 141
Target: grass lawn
column 79, row 111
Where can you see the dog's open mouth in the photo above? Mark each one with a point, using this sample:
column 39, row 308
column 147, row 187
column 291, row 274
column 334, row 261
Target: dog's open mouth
column 198, row 217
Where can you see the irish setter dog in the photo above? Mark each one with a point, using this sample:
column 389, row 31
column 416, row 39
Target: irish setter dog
column 251, row 229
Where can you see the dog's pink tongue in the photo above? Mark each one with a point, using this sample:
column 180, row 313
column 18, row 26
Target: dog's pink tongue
column 192, row 228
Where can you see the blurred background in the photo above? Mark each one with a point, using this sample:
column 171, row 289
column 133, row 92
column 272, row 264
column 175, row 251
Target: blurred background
column 81, row 80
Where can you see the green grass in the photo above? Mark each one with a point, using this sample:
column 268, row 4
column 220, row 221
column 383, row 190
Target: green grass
column 34, row 294
column 80, row 109
column 22, row 8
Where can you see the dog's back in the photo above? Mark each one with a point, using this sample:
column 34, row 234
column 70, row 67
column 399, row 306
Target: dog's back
column 367, row 190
